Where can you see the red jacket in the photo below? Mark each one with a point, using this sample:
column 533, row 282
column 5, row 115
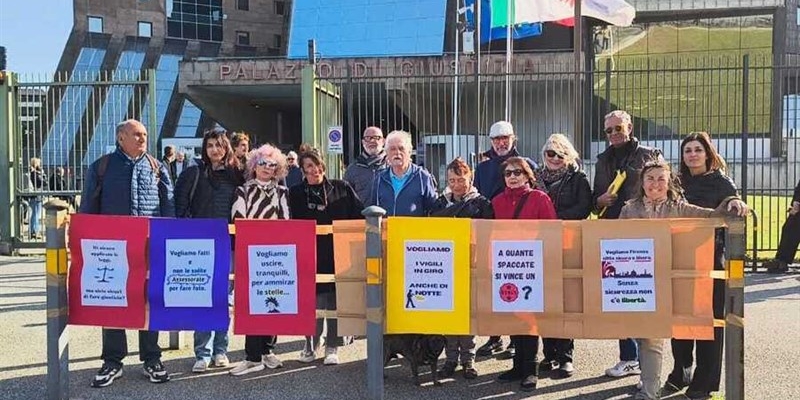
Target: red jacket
column 538, row 205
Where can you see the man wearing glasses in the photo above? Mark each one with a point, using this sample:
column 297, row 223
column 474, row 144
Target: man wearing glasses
column 624, row 154
column 361, row 173
column 295, row 174
column 489, row 182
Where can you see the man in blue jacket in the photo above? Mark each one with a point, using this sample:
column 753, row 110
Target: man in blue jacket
column 490, row 183
column 403, row 189
column 487, row 176
column 128, row 181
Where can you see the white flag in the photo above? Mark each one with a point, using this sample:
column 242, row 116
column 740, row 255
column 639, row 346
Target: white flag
column 615, row 12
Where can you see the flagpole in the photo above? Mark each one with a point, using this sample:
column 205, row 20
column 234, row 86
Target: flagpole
column 577, row 44
column 509, row 46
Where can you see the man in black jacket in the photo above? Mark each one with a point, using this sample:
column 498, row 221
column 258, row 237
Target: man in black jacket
column 623, row 155
column 790, row 238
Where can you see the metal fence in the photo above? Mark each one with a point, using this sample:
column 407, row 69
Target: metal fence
column 750, row 106
column 63, row 123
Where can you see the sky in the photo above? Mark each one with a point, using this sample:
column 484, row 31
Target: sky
column 34, row 33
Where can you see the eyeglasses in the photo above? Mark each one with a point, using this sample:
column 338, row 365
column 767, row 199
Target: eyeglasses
column 267, row 163
column 617, row 129
column 373, row 138
column 515, row 172
column 552, row 153
column 290, row 158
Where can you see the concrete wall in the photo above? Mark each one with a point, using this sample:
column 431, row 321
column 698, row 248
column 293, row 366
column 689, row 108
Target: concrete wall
column 260, row 21
column 121, row 17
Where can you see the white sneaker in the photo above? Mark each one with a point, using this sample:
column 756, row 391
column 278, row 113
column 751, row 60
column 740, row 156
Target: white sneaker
column 220, row 361
column 271, row 361
column 200, row 366
column 624, row 368
column 331, row 356
column 246, row 367
column 307, row 356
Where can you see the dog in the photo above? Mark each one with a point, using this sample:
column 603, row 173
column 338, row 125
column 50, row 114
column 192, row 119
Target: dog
column 417, row 349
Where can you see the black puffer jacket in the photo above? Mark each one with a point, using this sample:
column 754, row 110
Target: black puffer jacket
column 213, row 195
column 571, row 195
column 473, row 206
column 707, row 190
column 632, row 162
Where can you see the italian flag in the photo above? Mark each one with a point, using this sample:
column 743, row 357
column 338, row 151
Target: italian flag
column 615, row 12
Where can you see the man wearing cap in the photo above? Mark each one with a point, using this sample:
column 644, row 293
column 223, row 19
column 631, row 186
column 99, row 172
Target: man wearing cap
column 490, row 183
column 487, row 176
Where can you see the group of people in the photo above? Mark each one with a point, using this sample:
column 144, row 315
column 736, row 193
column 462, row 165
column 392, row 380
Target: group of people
column 232, row 182
column 37, row 181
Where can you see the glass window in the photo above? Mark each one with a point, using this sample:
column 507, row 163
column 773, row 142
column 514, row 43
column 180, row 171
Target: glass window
column 166, row 77
column 798, row 16
column 145, row 29
column 195, row 19
column 243, row 38
column 96, row 24
column 243, row 5
column 276, row 41
column 188, row 121
column 280, row 7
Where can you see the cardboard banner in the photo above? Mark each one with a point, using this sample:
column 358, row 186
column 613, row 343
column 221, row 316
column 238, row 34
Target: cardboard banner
column 627, row 279
column 428, row 275
column 107, row 271
column 190, row 261
column 349, row 250
column 518, row 277
column 275, row 285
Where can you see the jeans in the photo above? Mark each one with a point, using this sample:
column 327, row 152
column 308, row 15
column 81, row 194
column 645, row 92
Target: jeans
column 257, row 346
column 651, row 355
column 204, row 351
column 115, row 347
column 460, row 345
column 527, row 349
column 558, row 350
column 36, row 216
column 326, row 301
column 790, row 239
column 628, row 350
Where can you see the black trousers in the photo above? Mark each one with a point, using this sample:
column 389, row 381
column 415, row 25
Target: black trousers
column 257, row 346
column 115, row 347
column 527, row 349
column 790, row 239
column 558, row 350
column 708, row 353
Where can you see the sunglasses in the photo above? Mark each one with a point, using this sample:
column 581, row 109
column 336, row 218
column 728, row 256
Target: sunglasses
column 267, row 163
column 515, row 172
column 290, row 158
column 617, row 129
column 552, row 154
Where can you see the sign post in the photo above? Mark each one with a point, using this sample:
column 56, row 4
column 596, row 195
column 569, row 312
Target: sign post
column 57, row 333
column 335, row 137
column 375, row 309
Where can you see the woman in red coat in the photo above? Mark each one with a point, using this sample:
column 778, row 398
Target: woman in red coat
column 520, row 201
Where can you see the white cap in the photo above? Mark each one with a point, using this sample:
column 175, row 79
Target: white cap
column 501, row 128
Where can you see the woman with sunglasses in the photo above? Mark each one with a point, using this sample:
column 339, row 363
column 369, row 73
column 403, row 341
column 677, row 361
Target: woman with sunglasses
column 207, row 190
column 323, row 200
column 261, row 197
column 519, row 200
column 568, row 187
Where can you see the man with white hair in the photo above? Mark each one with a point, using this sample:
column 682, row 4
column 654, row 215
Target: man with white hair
column 489, row 184
column 403, row 189
column 624, row 155
column 295, row 174
column 361, row 173
column 128, row 181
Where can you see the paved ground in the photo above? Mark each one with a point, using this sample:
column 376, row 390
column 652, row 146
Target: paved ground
column 772, row 349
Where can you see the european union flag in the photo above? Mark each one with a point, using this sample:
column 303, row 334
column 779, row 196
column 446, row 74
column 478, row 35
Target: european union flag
column 494, row 21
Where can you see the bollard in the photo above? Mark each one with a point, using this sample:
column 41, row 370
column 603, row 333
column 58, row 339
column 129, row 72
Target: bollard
column 56, row 217
column 375, row 310
column 735, row 248
column 177, row 340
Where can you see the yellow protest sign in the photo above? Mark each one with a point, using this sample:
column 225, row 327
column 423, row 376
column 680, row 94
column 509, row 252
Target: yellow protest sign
column 428, row 275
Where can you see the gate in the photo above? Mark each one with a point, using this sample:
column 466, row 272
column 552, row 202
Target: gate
column 322, row 120
column 60, row 124
column 750, row 106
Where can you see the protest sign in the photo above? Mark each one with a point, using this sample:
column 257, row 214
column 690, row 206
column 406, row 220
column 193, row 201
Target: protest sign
column 517, row 276
column 107, row 271
column 627, row 269
column 190, row 260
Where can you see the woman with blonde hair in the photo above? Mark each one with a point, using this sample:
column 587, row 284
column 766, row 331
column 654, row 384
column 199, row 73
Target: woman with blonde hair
column 561, row 178
column 261, row 197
